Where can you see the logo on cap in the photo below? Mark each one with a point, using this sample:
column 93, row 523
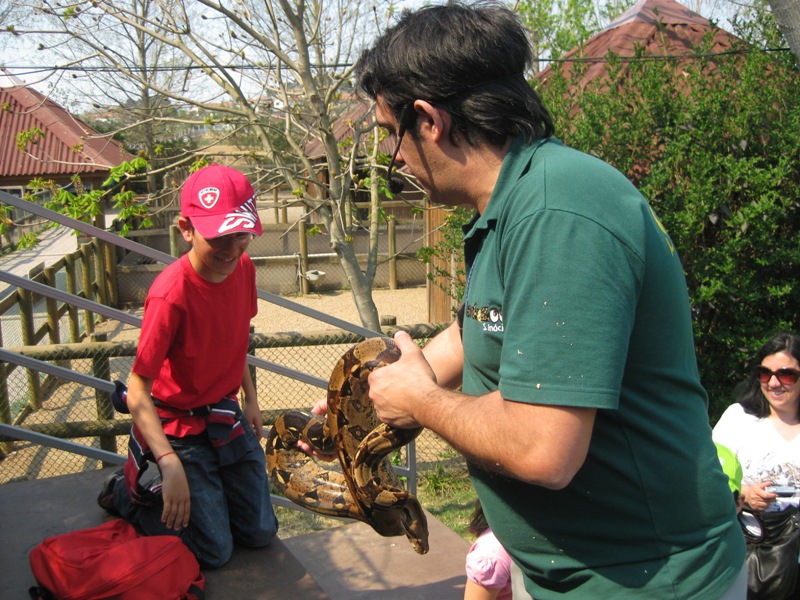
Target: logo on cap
column 245, row 217
column 208, row 197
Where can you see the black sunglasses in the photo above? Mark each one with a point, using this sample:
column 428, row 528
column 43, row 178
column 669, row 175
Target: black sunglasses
column 408, row 117
column 785, row 376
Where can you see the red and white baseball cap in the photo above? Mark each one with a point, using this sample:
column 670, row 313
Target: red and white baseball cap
column 219, row 201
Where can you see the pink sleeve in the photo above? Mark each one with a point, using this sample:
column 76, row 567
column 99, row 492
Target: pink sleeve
column 488, row 563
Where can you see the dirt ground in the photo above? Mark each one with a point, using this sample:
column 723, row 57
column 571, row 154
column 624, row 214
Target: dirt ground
column 409, row 306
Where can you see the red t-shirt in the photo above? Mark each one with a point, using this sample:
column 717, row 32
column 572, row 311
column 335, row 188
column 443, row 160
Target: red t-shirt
column 194, row 338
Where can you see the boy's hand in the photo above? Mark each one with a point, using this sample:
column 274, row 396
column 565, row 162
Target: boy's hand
column 320, row 408
column 174, row 492
column 252, row 414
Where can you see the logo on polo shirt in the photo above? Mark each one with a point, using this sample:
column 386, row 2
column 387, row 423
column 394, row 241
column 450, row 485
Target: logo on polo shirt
column 490, row 318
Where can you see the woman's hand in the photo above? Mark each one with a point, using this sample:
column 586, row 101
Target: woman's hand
column 757, row 497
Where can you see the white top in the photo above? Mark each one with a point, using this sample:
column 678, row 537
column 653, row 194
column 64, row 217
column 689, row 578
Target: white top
column 764, row 454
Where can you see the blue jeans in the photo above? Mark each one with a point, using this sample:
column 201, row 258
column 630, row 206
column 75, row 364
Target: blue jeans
column 230, row 504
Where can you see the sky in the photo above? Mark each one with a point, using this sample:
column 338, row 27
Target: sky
column 20, row 61
column 20, row 58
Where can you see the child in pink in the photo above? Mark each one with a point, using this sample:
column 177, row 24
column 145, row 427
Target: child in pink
column 488, row 564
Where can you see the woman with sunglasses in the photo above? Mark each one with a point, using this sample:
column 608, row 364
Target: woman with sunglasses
column 763, row 430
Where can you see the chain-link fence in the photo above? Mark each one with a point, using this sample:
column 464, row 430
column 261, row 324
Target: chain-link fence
column 315, row 269
column 41, row 325
column 84, row 415
column 290, row 258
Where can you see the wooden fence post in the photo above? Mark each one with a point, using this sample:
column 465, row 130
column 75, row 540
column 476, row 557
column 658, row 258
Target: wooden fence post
column 174, row 240
column 301, row 231
column 101, row 368
column 392, row 234
column 5, row 402
column 100, row 274
column 53, row 325
column 110, row 259
column 25, row 299
column 72, row 288
column 86, row 276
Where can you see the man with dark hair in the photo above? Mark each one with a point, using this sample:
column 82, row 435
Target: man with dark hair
column 581, row 413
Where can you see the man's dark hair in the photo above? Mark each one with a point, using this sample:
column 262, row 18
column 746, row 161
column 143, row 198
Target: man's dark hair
column 469, row 60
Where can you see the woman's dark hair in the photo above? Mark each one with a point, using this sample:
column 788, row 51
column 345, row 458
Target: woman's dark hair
column 468, row 60
column 477, row 521
column 748, row 393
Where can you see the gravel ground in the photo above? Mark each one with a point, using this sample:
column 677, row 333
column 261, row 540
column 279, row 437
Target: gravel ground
column 409, row 306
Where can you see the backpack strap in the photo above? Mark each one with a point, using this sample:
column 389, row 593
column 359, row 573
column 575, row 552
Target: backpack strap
column 225, row 424
column 194, row 592
column 38, row 592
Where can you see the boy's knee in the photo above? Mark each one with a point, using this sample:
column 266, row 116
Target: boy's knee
column 259, row 537
column 214, row 558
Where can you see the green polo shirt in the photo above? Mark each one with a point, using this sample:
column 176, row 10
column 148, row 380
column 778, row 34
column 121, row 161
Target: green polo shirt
column 576, row 297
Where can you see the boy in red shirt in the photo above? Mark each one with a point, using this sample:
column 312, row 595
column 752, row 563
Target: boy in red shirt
column 182, row 392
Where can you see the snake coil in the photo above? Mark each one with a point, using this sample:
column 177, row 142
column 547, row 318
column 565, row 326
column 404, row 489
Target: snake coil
column 367, row 488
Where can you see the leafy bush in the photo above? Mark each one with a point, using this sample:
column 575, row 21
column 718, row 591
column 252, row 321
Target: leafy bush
column 714, row 143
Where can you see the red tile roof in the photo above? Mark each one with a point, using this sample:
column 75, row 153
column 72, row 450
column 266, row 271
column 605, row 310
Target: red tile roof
column 660, row 27
column 68, row 146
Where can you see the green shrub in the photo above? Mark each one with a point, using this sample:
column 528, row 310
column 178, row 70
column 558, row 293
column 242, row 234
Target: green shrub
column 714, row 144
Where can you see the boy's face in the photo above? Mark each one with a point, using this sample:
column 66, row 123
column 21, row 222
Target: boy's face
column 216, row 258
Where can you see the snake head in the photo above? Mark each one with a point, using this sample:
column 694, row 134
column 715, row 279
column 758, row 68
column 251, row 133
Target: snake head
column 415, row 525
column 371, row 365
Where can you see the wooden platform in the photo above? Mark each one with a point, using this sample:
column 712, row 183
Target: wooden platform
column 351, row 562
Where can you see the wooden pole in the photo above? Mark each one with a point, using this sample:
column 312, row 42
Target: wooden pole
column 86, row 277
column 301, row 231
column 392, row 234
column 72, row 288
column 101, row 368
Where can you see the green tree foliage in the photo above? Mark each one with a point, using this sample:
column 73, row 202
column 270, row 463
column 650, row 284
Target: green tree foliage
column 714, row 143
column 557, row 26
column 78, row 202
column 445, row 259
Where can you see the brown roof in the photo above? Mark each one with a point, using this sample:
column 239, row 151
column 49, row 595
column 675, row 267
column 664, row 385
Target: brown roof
column 660, row 27
column 68, row 146
column 344, row 127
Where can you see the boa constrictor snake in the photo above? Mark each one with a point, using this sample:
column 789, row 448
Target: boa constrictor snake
column 367, row 489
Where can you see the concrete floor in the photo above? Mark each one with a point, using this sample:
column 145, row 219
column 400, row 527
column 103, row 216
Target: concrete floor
column 351, row 562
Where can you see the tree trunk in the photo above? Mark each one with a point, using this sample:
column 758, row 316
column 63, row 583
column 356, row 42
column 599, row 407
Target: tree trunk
column 787, row 15
column 361, row 287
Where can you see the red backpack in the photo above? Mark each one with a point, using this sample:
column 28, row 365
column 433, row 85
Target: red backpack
column 112, row 561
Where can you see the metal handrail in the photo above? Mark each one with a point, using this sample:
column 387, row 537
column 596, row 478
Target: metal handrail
column 159, row 256
column 127, row 318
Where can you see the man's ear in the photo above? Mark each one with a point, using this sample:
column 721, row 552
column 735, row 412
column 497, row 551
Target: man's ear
column 187, row 231
column 436, row 119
